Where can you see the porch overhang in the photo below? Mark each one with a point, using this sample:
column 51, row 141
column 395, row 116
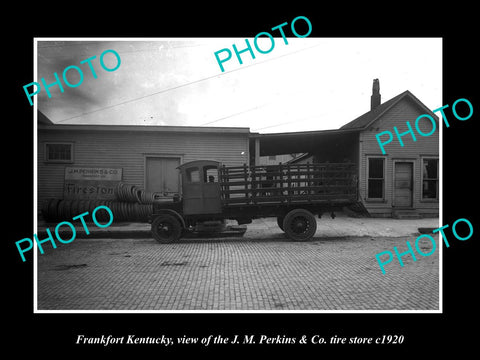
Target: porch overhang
column 302, row 142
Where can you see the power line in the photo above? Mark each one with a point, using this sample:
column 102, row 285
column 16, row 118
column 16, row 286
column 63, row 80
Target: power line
column 251, row 109
column 187, row 84
column 100, row 42
column 238, row 113
column 139, row 98
column 285, row 123
column 71, row 43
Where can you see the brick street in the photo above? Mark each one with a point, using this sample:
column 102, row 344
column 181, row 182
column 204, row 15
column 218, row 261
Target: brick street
column 261, row 271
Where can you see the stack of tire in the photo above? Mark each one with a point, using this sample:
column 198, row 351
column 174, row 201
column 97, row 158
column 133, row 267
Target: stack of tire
column 132, row 194
column 131, row 204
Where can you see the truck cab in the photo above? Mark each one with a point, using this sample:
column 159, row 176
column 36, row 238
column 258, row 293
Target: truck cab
column 201, row 187
column 199, row 205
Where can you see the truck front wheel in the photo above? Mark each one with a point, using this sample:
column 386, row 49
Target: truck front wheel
column 300, row 225
column 166, row 229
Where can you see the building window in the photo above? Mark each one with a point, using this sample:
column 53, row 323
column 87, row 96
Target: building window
column 376, row 178
column 272, row 157
column 59, row 152
column 430, row 179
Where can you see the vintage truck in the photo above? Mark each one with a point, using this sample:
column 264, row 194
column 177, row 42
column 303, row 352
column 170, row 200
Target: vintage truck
column 293, row 193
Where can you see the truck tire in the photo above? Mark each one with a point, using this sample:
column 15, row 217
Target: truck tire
column 300, row 225
column 166, row 228
column 280, row 222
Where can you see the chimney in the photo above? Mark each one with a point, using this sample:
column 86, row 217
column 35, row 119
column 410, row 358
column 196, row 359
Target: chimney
column 375, row 99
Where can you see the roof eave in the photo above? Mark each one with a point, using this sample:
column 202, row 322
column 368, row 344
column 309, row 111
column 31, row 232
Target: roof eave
column 146, row 128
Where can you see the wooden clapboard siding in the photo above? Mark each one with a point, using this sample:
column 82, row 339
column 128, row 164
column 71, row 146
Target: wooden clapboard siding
column 128, row 149
column 405, row 110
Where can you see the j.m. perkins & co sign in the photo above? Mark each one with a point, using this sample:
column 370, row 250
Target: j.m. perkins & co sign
column 91, row 183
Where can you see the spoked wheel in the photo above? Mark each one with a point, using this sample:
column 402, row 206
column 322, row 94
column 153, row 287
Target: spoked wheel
column 166, row 229
column 300, row 225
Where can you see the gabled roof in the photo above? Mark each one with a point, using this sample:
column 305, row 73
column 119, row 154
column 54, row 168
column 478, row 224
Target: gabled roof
column 365, row 120
column 42, row 119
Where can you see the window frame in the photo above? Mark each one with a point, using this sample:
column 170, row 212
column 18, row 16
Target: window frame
column 206, row 173
column 437, row 179
column 47, row 159
column 367, row 177
column 190, row 171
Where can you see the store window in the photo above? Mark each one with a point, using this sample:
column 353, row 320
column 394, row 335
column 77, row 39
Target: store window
column 376, row 178
column 430, row 178
column 59, row 152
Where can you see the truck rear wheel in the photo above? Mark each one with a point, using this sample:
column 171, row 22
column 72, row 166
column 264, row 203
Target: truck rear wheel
column 300, row 225
column 166, row 229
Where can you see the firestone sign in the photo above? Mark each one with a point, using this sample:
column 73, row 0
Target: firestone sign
column 91, row 183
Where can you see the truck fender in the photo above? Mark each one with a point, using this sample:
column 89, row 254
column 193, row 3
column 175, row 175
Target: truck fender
column 170, row 212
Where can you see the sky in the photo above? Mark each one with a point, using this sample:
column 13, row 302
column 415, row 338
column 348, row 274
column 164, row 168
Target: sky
column 307, row 84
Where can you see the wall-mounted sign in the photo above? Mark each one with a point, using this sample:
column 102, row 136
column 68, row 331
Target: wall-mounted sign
column 91, row 183
column 81, row 173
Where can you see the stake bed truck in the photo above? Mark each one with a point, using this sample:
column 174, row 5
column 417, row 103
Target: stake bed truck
column 293, row 193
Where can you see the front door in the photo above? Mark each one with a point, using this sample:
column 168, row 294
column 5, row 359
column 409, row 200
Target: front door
column 403, row 184
column 161, row 175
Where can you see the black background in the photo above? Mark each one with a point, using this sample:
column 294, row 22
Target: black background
column 55, row 334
